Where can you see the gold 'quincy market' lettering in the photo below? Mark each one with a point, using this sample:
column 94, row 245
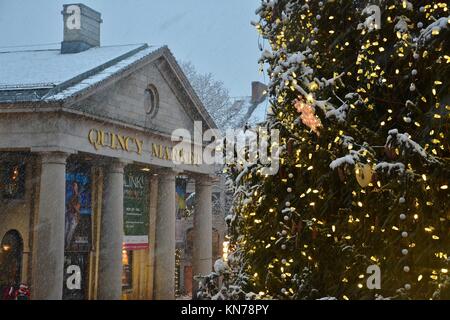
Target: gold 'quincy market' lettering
column 115, row 141
column 103, row 139
column 161, row 152
column 167, row 153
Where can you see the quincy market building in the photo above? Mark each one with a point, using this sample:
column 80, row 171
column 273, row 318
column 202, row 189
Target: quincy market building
column 88, row 186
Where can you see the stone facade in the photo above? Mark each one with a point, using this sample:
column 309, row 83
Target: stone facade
column 97, row 120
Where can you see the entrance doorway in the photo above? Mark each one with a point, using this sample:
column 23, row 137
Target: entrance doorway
column 11, row 251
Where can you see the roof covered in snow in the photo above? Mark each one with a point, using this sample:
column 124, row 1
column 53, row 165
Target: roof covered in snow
column 48, row 75
column 246, row 112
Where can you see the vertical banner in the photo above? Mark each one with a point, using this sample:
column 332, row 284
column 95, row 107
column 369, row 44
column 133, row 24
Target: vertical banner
column 78, row 211
column 78, row 232
column 135, row 210
column 180, row 195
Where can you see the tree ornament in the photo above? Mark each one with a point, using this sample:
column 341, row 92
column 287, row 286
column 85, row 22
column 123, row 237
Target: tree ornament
column 414, row 72
column 363, row 174
column 289, row 189
column 390, row 153
column 402, row 216
column 296, row 227
column 407, row 286
column 404, row 252
column 288, row 204
column 401, row 200
column 290, row 147
column 341, row 174
column 308, row 116
column 282, row 172
column 404, row 234
column 406, row 268
column 314, row 233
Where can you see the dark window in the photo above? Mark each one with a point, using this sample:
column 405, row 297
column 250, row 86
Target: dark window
column 12, row 180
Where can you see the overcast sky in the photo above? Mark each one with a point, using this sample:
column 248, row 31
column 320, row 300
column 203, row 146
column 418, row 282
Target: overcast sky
column 215, row 35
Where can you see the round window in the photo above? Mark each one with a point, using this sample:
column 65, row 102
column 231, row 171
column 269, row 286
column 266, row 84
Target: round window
column 151, row 101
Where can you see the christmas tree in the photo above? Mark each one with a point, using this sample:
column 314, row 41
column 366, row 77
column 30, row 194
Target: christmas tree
column 360, row 94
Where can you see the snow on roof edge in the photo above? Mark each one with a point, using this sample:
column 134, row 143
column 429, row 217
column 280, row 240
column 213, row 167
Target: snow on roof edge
column 49, row 68
column 96, row 78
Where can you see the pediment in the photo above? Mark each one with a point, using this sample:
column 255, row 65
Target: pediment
column 130, row 97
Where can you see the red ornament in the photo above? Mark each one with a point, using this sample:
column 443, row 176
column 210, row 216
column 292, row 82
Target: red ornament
column 282, row 173
column 290, row 147
column 314, row 233
column 390, row 153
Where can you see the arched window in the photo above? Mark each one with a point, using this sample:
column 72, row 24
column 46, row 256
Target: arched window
column 11, row 251
column 151, row 101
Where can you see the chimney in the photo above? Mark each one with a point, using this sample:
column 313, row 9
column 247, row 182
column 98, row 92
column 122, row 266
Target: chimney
column 81, row 28
column 258, row 94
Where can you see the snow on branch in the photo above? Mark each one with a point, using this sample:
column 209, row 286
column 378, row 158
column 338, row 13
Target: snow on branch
column 331, row 111
column 390, row 167
column 437, row 26
column 339, row 113
column 354, row 155
column 404, row 141
column 402, row 24
column 348, row 159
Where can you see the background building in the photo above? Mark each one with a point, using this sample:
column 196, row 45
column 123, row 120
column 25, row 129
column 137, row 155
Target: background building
column 87, row 177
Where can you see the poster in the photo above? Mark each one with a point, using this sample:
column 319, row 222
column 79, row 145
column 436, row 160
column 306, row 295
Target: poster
column 78, row 211
column 180, row 196
column 135, row 210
